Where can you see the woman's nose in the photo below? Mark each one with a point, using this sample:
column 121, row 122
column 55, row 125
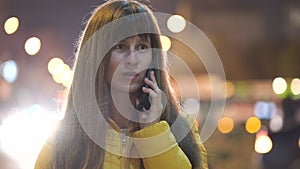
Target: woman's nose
column 132, row 58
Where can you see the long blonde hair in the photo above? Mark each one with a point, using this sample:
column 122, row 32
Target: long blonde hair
column 73, row 147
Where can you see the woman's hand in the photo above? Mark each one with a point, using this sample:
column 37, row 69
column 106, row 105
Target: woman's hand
column 151, row 116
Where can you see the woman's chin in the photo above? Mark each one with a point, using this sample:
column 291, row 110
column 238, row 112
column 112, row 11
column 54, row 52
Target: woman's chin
column 131, row 88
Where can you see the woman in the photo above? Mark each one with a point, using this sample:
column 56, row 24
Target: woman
column 122, row 40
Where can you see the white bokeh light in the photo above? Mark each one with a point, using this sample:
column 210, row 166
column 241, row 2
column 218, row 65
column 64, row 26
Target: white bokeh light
column 176, row 23
column 9, row 71
column 32, row 45
column 263, row 143
column 295, row 86
column 279, row 85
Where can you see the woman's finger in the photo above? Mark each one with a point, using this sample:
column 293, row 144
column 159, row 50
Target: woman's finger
column 152, row 76
column 152, row 82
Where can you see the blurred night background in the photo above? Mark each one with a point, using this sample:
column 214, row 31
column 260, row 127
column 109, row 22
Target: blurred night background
column 258, row 42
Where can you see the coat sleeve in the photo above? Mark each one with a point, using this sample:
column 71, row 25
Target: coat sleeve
column 158, row 148
column 43, row 161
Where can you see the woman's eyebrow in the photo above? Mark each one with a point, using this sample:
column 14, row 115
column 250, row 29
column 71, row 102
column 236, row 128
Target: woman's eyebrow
column 144, row 39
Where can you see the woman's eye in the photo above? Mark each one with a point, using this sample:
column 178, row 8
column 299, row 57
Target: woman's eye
column 143, row 47
column 119, row 47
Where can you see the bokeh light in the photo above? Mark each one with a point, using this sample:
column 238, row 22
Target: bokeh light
column 276, row 123
column 263, row 143
column 295, row 86
column 176, row 23
column 57, row 78
column 279, row 85
column 264, row 110
column 165, row 42
column 67, row 78
column 9, row 70
column 11, row 25
column 61, row 73
column 253, row 124
column 230, row 89
column 225, row 125
column 55, row 66
column 23, row 134
column 32, row 45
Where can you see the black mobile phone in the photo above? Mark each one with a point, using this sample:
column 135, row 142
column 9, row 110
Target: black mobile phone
column 144, row 102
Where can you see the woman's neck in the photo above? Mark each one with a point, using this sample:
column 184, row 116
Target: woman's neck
column 121, row 109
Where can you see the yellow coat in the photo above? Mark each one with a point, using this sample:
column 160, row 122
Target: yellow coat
column 170, row 155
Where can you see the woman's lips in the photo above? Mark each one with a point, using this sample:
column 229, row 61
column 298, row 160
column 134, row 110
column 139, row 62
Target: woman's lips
column 130, row 75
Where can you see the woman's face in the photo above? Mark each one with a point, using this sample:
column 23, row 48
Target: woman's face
column 129, row 60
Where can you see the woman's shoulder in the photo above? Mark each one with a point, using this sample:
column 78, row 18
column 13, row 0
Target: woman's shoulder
column 44, row 158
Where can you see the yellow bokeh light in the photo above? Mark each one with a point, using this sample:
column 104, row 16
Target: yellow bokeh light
column 165, row 42
column 63, row 74
column 295, row 86
column 230, row 89
column 32, row 45
column 176, row 23
column 11, row 25
column 263, row 144
column 253, row 124
column 67, row 78
column 299, row 142
column 55, row 65
column 58, row 68
column 279, row 85
column 225, row 125
column 66, row 67
column 57, row 78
